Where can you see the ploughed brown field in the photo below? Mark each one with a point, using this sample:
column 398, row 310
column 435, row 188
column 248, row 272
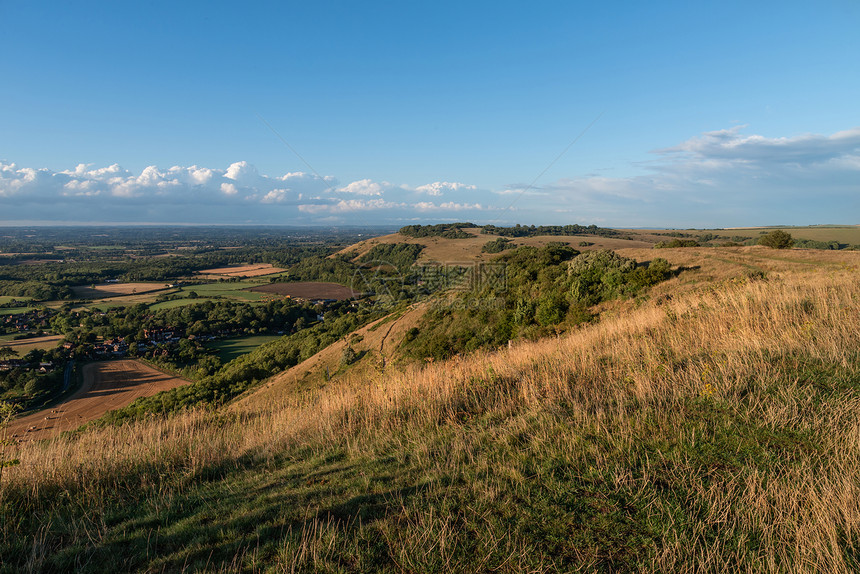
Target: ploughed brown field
column 308, row 290
column 107, row 386
column 243, row 270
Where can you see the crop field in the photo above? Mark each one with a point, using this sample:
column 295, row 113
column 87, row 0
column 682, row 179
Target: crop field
column 107, row 385
column 233, row 290
column 307, row 290
column 229, row 349
column 24, row 346
column 243, row 270
column 117, row 290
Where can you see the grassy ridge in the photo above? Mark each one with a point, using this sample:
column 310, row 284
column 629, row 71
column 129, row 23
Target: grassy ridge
column 714, row 432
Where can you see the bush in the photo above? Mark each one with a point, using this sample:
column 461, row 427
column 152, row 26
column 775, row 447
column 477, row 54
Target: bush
column 497, row 245
column 777, row 239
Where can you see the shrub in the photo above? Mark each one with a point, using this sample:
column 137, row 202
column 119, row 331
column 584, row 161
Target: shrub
column 777, row 239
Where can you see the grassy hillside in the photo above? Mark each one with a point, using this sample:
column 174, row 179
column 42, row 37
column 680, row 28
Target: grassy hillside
column 710, row 426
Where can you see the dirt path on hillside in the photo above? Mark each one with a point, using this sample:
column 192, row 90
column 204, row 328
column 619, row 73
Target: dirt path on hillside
column 380, row 337
column 107, row 386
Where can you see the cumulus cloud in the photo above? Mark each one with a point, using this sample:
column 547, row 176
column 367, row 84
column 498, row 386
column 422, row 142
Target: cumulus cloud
column 442, row 187
column 237, row 194
column 364, row 187
column 717, row 178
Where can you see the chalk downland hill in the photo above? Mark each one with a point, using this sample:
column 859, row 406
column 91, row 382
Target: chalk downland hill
column 710, row 424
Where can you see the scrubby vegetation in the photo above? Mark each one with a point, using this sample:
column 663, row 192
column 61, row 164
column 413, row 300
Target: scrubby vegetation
column 677, row 243
column 497, row 245
column 533, row 231
column 541, row 291
column 446, row 230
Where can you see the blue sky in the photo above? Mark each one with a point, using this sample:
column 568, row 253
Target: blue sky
column 680, row 114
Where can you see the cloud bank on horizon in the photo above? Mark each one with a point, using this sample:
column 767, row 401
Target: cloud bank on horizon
column 717, row 179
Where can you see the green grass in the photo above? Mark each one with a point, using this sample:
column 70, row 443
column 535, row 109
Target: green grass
column 229, row 349
column 14, row 310
column 7, row 298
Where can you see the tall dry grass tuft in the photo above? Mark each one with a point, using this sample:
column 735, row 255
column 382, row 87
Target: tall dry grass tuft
column 741, row 349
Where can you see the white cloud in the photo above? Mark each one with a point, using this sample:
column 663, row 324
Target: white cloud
column 718, row 178
column 364, row 187
column 438, row 188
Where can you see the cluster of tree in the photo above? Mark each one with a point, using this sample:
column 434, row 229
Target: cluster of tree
column 777, row 239
column 197, row 319
column 831, row 245
column 545, row 289
column 446, row 230
column 677, row 243
column 533, row 231
column 399, row 255
column 25, row 382
column 497, row 245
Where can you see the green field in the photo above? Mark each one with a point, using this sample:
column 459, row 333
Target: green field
column 14, row 310
column 229, row 349
column 847, row 234
column 7, row 298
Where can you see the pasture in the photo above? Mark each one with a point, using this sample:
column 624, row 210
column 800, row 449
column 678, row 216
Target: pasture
column 229, row 349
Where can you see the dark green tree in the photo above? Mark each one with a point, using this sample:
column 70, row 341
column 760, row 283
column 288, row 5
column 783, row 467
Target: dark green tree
column 777, row 239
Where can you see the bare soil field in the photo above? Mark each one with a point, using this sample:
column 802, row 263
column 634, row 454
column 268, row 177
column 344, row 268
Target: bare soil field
column 257, row 270
column 117, row 290
column 107, row 386
column 307, row 290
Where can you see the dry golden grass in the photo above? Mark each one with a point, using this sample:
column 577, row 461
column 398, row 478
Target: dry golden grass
column 628, row 380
